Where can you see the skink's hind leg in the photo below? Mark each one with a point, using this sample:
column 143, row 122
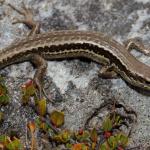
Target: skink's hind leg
column 41, row 66
column 136, row 43
column 28, row 19
column 107, row 72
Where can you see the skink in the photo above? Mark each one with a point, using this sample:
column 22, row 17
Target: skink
column 75, row 44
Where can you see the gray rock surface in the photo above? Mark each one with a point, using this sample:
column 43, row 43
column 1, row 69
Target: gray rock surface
column 75, row 83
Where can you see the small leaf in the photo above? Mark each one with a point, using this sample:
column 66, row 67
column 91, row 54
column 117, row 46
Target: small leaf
column 43, row 126
column 2, row 146
column 82, row 136
column 31, row 125
column 66, row 135
column 57, row 118
column 104, row 146
column 63, row 137
column 112, row 142
column 68, row 145
column 118, row 120
column 3, row 139
column 25, row 99
column 122, row 139
column 1, row 117
column 94, row 135
column 14, row 145
column 28, row 90
column 93, row 145
column 42, row 107
column 107, row 124
column 4, row 98
column 79, row 146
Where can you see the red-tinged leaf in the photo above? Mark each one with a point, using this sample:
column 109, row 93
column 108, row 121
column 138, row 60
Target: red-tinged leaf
column 28, row 88
column 120, row 148
column 57, row 118
column 31, row 125
column 77, row 146
column 94, row 135
column 80, row 132
column 107, row 134
column 42, row 107
column 84, row 137
column 80, row 146
column 27, row 84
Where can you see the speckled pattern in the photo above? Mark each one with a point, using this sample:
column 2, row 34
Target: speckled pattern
column 75, row 83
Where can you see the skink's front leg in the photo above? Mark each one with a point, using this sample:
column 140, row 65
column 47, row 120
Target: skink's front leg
column 28, row 19
column 37, row 60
